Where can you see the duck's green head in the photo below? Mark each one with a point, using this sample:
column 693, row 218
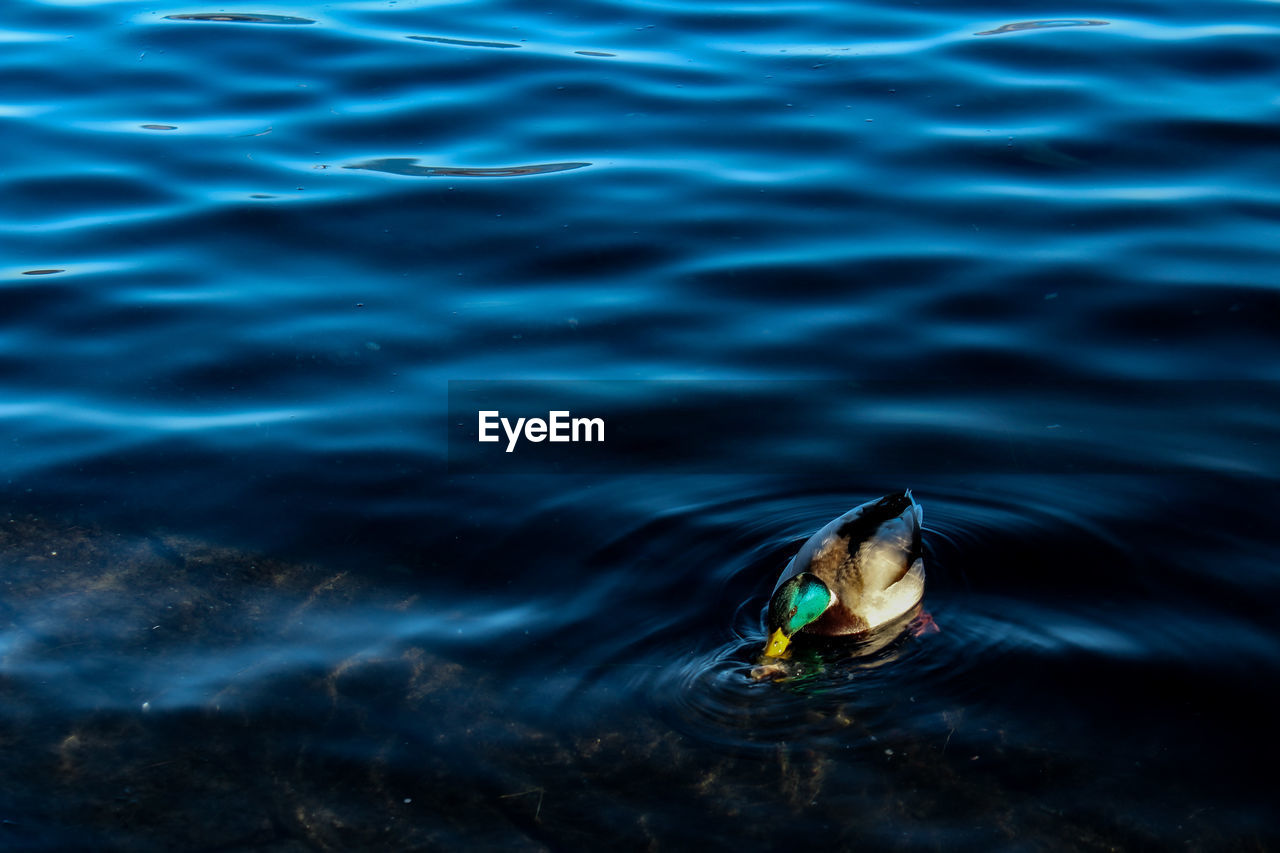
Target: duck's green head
column 795, row 604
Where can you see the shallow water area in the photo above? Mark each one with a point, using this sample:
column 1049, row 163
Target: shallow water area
column 1019, row 260
column 1045, row 703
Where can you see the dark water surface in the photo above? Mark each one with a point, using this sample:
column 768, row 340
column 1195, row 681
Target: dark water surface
column 248, row 603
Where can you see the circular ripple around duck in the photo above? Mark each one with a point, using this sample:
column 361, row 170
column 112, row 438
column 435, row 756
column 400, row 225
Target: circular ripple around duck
column 662, row 607
column 1011, row 586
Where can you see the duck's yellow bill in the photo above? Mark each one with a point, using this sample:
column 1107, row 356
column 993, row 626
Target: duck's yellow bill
column 777, row 645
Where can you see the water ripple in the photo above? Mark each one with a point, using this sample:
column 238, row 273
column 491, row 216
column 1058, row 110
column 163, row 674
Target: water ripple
column 238, row 18
column 995, row 608
column 1043, row 25
column 461, row 42
column 411, row 167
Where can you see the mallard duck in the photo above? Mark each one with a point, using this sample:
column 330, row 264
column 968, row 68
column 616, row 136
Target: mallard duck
column 858, row 573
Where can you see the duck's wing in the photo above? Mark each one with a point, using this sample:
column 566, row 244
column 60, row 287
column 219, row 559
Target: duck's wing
column 884, row 542
column 897, row 599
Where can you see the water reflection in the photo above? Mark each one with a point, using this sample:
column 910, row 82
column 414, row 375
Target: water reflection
column 716, row 699
column 412, row 167
column 238, row 18
column 462, row 42
column 1043, row 25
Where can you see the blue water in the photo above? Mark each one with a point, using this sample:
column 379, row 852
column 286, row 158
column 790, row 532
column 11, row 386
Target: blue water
column 249, row 602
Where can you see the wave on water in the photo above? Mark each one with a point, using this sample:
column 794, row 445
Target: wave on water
column 462, row 42
column 237, row 18
column 412, row 168
column 1042, row 25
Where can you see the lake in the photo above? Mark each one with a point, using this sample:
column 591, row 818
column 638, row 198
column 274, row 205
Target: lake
column 264, row 267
